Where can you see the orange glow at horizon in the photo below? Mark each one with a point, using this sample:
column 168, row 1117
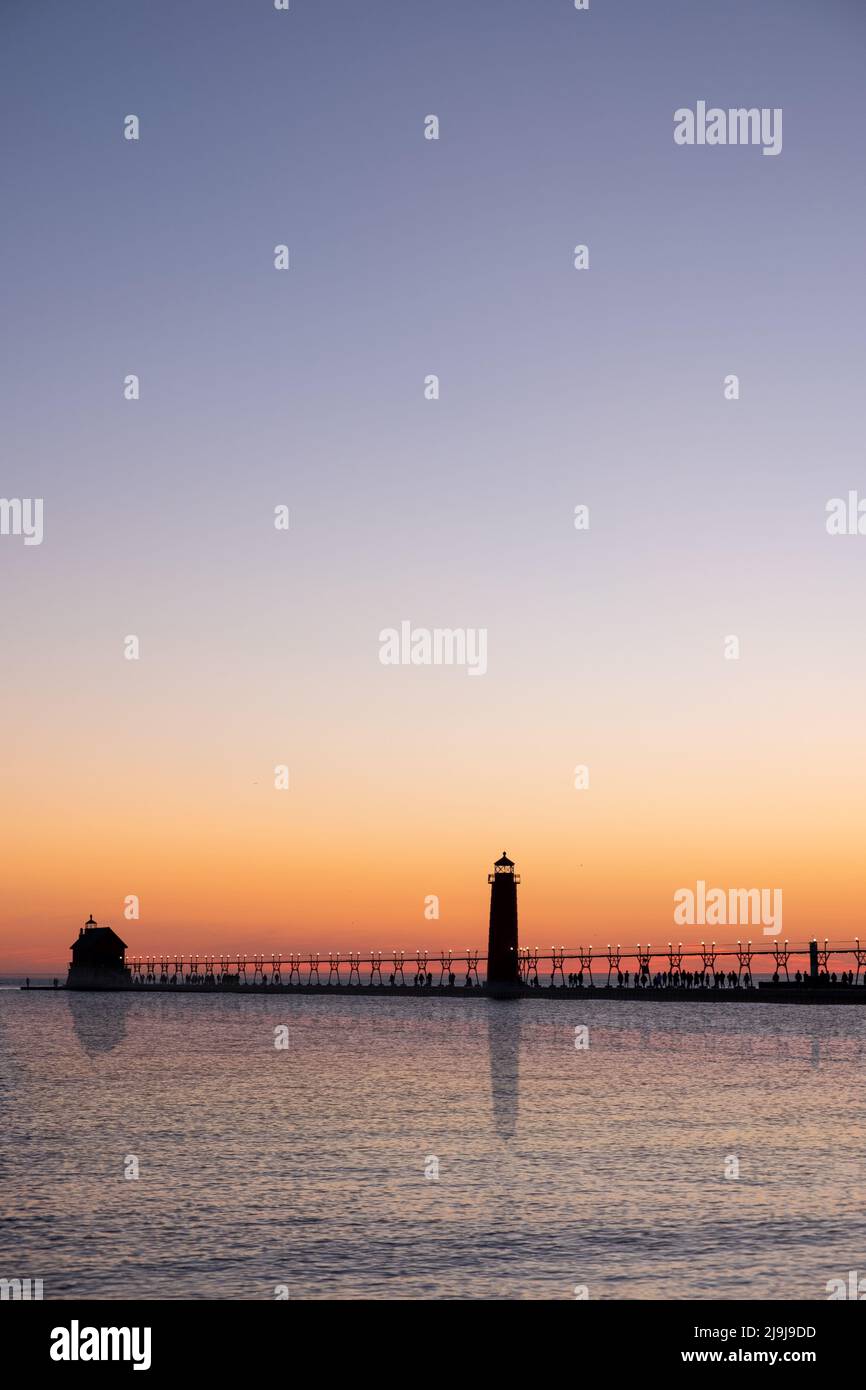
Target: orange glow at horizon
column 412, row 789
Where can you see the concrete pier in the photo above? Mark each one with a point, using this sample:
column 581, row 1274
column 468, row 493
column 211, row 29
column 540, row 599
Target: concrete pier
column 762, row 993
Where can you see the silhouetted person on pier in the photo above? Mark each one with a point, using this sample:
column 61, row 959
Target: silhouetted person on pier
column 451, row 978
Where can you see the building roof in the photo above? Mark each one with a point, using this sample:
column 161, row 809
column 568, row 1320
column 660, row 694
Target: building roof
column 504, row 861
column 100, row 936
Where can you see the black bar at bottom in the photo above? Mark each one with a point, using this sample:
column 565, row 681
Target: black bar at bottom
column 57, row 1339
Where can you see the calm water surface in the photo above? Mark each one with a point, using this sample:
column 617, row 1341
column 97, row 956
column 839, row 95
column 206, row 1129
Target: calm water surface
column 306, row 1166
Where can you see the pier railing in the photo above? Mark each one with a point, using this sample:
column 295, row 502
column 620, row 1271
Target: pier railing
column 574, row 966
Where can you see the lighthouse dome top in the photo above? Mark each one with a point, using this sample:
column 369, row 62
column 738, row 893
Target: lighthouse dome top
column 504, row 862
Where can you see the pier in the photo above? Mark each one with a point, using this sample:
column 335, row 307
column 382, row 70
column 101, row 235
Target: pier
column 831, row 973
column 705, row 973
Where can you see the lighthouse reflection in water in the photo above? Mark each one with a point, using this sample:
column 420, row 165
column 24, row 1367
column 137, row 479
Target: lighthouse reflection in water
column 503, row 1037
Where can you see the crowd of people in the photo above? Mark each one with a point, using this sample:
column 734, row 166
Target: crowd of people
column 642, row 979
column 673, row 979
column 704, row 979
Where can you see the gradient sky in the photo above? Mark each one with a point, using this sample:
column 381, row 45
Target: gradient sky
column 558, row 387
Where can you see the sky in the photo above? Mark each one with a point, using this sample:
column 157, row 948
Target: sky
column 259, row 648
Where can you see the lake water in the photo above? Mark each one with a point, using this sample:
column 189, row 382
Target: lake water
column 305, row 1166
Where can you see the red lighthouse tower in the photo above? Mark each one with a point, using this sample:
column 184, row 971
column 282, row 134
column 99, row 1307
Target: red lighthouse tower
column 503, row 974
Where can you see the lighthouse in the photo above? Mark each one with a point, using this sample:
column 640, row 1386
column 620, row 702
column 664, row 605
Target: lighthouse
column 98, row 959
column 503, row 975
